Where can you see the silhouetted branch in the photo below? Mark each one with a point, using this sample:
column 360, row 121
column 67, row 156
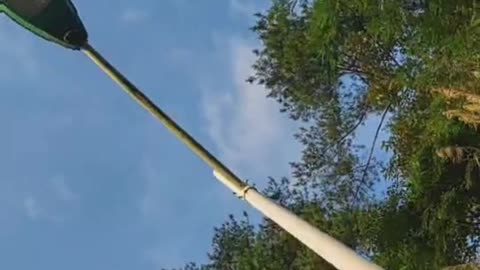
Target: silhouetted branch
column 372, row 148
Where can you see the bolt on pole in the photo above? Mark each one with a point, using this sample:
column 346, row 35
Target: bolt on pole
column 330, row 249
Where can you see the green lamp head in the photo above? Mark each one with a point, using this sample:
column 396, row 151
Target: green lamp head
column 53, row 20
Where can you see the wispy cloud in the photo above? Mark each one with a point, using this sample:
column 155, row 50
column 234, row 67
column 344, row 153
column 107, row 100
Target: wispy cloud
column 152, row 204
column 32, row 209
column 171, row 206
column 58, row 190
column 35, row 210
column 134, row 15
column 246, row 126
column 180, row 56
column 61, row 189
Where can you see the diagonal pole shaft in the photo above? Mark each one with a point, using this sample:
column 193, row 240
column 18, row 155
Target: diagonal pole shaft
column 324, row 245
column 161, row 116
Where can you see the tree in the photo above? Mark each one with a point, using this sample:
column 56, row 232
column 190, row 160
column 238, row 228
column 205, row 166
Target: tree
column 402, row 52
column 333, row 64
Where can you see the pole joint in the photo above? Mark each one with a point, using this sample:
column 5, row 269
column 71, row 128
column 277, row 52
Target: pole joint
column 243, row 193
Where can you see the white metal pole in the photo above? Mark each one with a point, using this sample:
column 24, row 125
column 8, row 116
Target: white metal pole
column 330, row 249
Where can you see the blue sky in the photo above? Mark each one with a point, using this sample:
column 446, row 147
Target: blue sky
column 88, row 180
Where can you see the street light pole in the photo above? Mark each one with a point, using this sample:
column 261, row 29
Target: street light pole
column 330, row 249
column 161, row 116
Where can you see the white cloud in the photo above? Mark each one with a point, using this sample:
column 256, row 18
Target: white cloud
column 32, row 209
column 151, row 199
column 61, row 189
column 134, row 15
column 180, row 57
column 246, row 126
column 35, row 211
column 169, row 207
column 41, row 203
column 156, row 202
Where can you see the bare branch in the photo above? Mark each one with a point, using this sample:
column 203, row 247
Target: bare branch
column 348, row 133
column 372, row 149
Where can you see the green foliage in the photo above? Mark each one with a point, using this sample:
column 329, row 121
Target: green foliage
column 332, row 64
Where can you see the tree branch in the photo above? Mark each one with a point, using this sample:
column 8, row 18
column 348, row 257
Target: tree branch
column 372, row 149
column 348, row 133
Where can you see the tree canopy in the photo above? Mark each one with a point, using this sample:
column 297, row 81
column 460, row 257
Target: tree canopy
column 335, row 64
